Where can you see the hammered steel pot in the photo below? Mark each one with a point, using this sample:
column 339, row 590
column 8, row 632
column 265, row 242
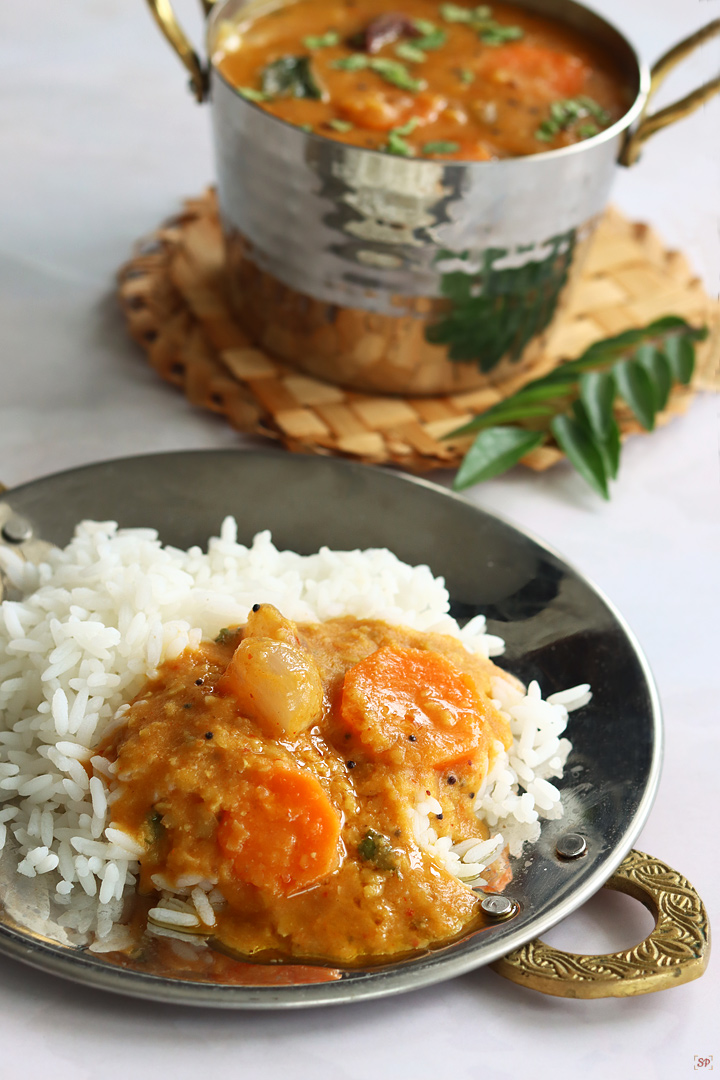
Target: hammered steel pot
column 403, row 275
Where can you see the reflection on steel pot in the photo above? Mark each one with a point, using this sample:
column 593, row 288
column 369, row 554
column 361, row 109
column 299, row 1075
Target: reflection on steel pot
column 405, row 275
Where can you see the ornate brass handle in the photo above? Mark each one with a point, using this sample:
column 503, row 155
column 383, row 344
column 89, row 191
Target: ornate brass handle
column 648, row 125
column 675, row 952
column 165, row 18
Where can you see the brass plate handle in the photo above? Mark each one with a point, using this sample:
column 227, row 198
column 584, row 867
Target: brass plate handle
column 164, row 16
column 676, row 951
column 648, row 125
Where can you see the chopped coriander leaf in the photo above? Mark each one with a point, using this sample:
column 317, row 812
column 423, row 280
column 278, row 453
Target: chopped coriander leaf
column 377, row 850
column 290, row 76
column 453, row 13
column 594, row 109
column 391, row 70
column 408, row 127
column 466, row 76
column 397, row 74
column 306, row 127
column 432, row 41
column 409, row 52
column 340, row 125
column 498, row 35
column 354, row 62
column 424, row 26
column 250, row 94
column 481, row 19
column 397, row 145
column 321, row 41
column 547, row 131
column 431, row 36
column 441, row 147
column 563, row 114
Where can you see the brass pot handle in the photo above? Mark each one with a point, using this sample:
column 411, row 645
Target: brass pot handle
column 165, row 18
column 648, row 125
column 676, row 951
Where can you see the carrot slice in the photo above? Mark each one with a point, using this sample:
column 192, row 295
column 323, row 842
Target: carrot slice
column 282, row 835
column 536, row 67
column 411, row 704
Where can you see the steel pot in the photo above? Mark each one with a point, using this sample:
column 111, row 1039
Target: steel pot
column 352, row 264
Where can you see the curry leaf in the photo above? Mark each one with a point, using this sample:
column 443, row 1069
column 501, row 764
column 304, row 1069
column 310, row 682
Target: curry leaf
column 493, row 309
column 494, row 451
column 290, row 76
column 574, row 403
column 633, row 383
column 610, row 450
column 597, row 393
column 503, row 416
column 582, row 452
column 657, row 366
column 526, row 404
column 543, row 390
column 680, row 353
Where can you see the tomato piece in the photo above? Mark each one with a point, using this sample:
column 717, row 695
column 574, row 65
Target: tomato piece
column 376, row 110
column 282, row 835
column 426, row 107
column 551, row 73
column 383, row 110
column 414, row 703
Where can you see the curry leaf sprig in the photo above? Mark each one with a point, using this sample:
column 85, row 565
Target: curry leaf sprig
column 573, row 407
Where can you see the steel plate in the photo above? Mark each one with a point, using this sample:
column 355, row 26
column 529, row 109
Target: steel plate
column 558, row 628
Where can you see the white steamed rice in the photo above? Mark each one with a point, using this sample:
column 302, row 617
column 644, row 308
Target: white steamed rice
column 93, row 623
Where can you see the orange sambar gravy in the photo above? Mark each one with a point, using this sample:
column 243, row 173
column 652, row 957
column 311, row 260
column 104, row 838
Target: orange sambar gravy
column 297, row 806
column 445, row 81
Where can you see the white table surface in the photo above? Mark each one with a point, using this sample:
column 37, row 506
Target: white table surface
column 98, row 142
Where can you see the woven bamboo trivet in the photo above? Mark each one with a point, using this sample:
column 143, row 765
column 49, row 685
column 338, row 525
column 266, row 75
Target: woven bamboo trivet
column 173, row 295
